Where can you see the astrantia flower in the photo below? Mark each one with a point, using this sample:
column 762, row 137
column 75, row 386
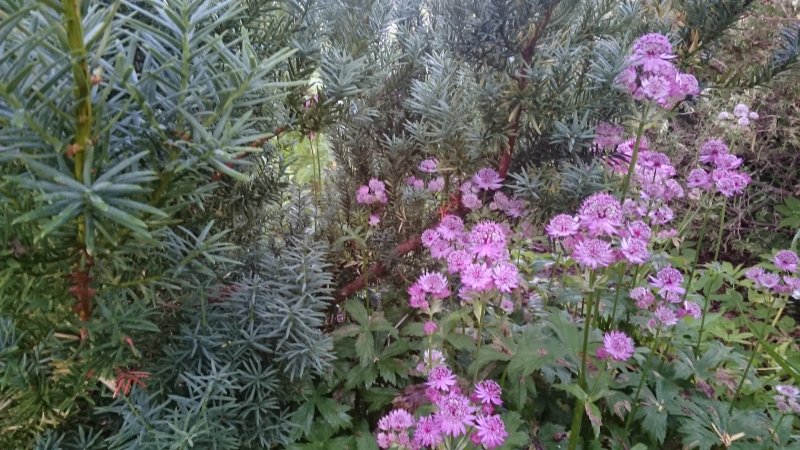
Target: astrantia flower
column 435, row 284
column 488, row 240
column 698, row 178
column 652, row 51
column 457, row 261
column 455, row 414
column 665, row 316
column 429, row 327
column 440, row 249
column 491, row 431
column 374, row 220
column 601, row 214
column 427, row 433
column 768, row 280
column 505, row 277
column 692, row 309
column 787, row 390
column 415, row 182
column 417, row 296
column 786, row 260
column 430, row 237
column 643, row 297
column 727, row 161
column 639, row 230
column 384, row 440
column 753, row 273
column 429, row 165
column 593, row 253
column 430, row 360
column 618, row 345
column 711, row 150
column 668, row 280
column 396, row 420
column 741, row 110
column 487, row 179
column 450, row 227
column 635, row 250
column 436, row 184
column 507, row 306
column 607, row 135
column 488, row 391
column 729, row 182
column 471, row 201
column 562, row 225
column 441, row 378
column 477, row 277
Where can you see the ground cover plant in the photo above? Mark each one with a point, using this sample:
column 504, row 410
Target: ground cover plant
column 346, row 224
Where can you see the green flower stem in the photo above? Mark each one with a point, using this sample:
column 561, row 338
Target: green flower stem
column 635, row 155
column 577, row 418
column 83, row 98
column 716, row 255
column 750, row 360
column 479, row 315
column 635, row 403
column 700, row 238
column 555, row 266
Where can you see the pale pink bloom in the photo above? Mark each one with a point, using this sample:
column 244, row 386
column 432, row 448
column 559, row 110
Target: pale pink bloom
column 488, row 391
column 786, row 260
column 668, row 280
column 477, row 277
column 601, row 214
column 491, row 431
column 643, row 297
column 618, row 345
column 436, row 185
column 639, row 230
column 429, row 327
column 471, row 201
column 593, row 253
column 711, row 150
column 457, row 261
column 450, row 227
column 429, row 165
column 430, row 237
column 665, row 316
column 441, row 378
column 396, row 420
column 488, row 240
column 455, row 414
column 505, row 277
column 507, row 305
column 434, row 283
column 487, row 179
column 562, row 225
column 427, row 433
column 374, row 220
column 699, row 178
column 692, row 309
column 415, row 182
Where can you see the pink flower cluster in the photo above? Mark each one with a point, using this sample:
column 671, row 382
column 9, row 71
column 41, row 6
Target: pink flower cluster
column 455, row 414
column 787, row 399
column 651, row 75
column 607, row 136
column 428, row 166
column 479, row 257
column 724, row 177
column 741, row 116
column 669, row 307
column 512, row 207
column 602, row 233
column 785, row 281
column 373, row 193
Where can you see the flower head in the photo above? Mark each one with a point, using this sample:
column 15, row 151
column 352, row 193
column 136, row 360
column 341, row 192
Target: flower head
column 562, row 225
column 618, row 345
column 455, row 414
column 441, row 378
column 635, row 250
column 601, row 214
column 668, row 280
column 490, row 431
column 593, row 253
column 429, row 165
column 487, row 179
column 505, row 277
column 427, row 433
column 488, row 392
column 450, row 227
column 786, row 260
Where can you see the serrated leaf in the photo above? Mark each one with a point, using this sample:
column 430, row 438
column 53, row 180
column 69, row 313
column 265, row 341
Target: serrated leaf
column 357, row 311
column 335, row 414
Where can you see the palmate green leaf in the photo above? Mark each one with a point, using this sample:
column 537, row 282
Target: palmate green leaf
column 334, row 413
column 357, row 311
column 365, row 349
column 485, row 356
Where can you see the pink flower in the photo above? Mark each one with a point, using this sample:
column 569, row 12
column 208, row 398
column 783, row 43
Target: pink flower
column 436, row 185
column 618, row 345
column 434, row 283
column 430, row 237
column 450, row 227
column 440, row 249
column 668, row 280
column 374, row 220
column 488, row 392
column 727, row 161
column 692, row 309
column 507, row 306
column 643, row 297
column 427, row 433
column 652, row 51
column 711, row 150
column 363, row 196
column 471, row 201
column 417, row 297
column 457, row 261
column 593, row 253
column 487, row 179
column 491, row 431
column 665, row 316
column 635, row 250
column 415, row 182
column 384, row 440
column 455, row 414
column 729, row 182
column 376, row 185
column 639, row 230
column 505, row 277
column 477, row 277
column 767, row 280
column 562, row 225
column 441, row 378
column 430, row 359
column 487, row 239
column 396, row 420
column 786, row 260
column 429, row 165
column 429, row 327
column 698, row 178
column 607, row 135
column 601, row 214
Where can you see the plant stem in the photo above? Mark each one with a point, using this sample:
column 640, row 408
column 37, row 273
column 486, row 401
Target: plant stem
column 555, row 266
column 716, row 255
column 635, row 155
column 699, row 245
column 749, row 363
column 635, row 403
column 577, row 417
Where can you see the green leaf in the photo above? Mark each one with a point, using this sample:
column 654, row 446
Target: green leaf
column 334, row 413
column 357, row 311
column 70, row 212
column 461, row 342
